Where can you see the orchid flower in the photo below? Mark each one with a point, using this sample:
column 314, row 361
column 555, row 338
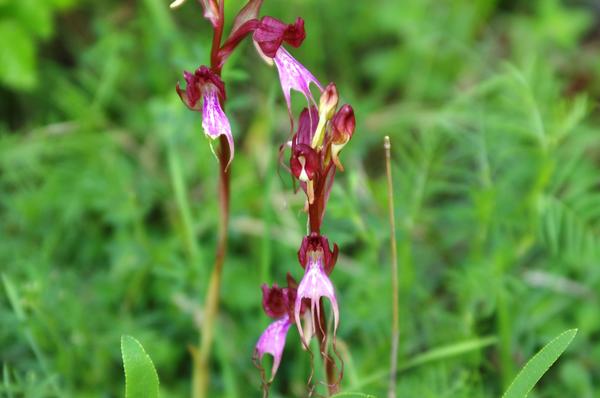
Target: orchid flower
column 268, row 39
column 322, row 133
column 318, row 261
column 208, row 85
column 279, row 304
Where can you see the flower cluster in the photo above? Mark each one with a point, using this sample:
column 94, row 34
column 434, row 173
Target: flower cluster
column 323, row 129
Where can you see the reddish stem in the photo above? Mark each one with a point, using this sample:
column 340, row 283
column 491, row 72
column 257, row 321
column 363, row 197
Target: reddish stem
column 216, row 43
column 321, row 332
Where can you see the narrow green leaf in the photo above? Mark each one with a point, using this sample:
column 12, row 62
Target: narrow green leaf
column 533, row 371
column 435, row 354
column 449, row 351
column 141, row 379
column 353, row 394
column 6, row 381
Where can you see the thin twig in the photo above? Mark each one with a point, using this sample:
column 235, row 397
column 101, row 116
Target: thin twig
column 394, row 265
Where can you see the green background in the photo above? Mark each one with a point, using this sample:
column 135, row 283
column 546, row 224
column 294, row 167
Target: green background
column 108, row 205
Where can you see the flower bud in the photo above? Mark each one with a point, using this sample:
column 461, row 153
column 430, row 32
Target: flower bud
column 343, row 123
column 327, row 105
column 328, row 101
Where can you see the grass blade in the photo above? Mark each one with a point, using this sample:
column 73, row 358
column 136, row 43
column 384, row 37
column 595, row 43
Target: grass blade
column 141, row 379
column 435, row 354
column 353, row 394
column 533, row 371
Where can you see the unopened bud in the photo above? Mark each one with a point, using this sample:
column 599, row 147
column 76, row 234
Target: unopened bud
column 344, row 124
column 327, row 105
column 328, row 101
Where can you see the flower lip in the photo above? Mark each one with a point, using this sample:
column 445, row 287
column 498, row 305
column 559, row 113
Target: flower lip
column 272, row 341
column 271, row 33
column 315, row 284
column 294, row 76
column 214, row 120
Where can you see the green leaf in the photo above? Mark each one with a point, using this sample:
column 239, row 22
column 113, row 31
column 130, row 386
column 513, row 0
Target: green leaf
column 353, row 394
column 435, row 354
column 533, row 371
column 141, row 379
column 17, row 56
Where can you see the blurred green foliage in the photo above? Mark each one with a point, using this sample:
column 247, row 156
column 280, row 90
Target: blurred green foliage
column 108, row 205
column 22, row 24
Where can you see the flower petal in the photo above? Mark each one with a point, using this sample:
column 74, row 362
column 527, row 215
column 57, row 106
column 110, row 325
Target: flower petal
column 214, row 121
column 272, row 341
column 314, row 285
column 294, row 76
column 271, row 33
column 307, row 125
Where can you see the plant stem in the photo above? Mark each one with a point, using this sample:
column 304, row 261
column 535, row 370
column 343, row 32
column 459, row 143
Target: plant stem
column 394, row 266
column 321, row 322
column 211, row 308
